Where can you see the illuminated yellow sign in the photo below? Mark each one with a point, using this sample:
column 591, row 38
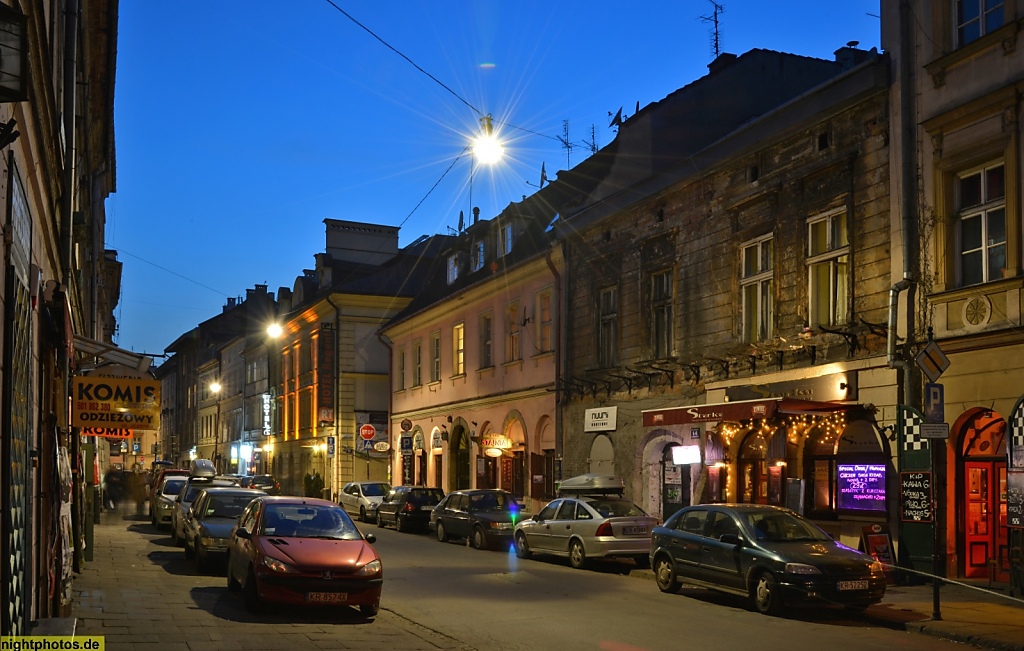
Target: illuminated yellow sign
column 115, row 403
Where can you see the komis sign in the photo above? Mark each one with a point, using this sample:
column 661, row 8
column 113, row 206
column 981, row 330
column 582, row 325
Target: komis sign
column 115, row 403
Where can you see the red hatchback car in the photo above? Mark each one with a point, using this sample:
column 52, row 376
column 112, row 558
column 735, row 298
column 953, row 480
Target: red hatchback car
column 303, row 551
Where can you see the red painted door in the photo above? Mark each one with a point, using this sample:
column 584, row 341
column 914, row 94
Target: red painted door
column 985, row 533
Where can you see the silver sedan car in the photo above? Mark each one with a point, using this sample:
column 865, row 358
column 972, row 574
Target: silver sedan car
column 587, row 527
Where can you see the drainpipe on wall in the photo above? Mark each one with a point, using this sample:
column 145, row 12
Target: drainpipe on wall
column 559, row 353
column 66, row 257
column 337, row 406
column 391, row 397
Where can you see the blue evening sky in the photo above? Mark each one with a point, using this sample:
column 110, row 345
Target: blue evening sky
column 242, row 124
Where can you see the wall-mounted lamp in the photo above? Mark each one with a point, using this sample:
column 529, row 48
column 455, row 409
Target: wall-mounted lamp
column 449, row 419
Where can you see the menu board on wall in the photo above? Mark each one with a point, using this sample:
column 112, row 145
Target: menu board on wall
column 861, row 486
column 916, row 496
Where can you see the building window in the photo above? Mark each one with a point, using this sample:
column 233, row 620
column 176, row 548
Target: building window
column 417, row 363
column 981, row 207
column 545, row 341
column 976, row 18
column 756, row 286
column 453, row 268
column 512, row 332
column 504, row 240
column 486, row 323
column 478, row 255
column 661, row 314
column 400, row 371
column 459, row 349
column 435, row 357
column 608, row 327
column 828, row 264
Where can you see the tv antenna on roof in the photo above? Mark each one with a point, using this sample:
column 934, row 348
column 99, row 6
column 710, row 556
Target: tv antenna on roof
column 716, row 34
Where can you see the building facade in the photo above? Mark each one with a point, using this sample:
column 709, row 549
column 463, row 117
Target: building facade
column 957, row 247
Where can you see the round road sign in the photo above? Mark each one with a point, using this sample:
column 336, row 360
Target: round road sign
column 367, row 432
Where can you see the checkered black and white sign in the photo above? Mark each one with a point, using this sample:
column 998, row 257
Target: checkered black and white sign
column 1017, row 436
column 912, row 439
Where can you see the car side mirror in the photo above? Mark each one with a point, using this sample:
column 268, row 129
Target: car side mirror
column 731, row 539
column 370, row 538
column 243, row 533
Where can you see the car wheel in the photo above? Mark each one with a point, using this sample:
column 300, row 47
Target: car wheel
column 174, row 536
column 767, row 598
column 442, row 535
column 369, row 610
column 479, row 539
column 642, row 561
column 665, row 575
column 250, row 594
column 522, row 546
column 190, row 552
column 362, row 514
column 233, row 584
column 399, row 524
column 577, row 555
column 380, row 520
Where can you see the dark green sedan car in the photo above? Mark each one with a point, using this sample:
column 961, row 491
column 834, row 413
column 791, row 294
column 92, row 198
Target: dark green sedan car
column 767, row 553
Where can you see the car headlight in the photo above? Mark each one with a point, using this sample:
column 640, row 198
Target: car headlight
column 278, row 566
column 210, row 541
column 500, row 525
column 370, row 569
column 801, row 568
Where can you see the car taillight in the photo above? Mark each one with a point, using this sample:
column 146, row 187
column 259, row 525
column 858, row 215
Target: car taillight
column 605, row 529
column 408, row 507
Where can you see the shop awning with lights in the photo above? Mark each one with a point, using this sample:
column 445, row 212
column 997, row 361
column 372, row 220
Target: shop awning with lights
column 741, row 410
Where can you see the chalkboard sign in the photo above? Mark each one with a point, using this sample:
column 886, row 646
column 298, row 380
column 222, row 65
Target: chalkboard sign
column 916, row 496
column 1015, row 498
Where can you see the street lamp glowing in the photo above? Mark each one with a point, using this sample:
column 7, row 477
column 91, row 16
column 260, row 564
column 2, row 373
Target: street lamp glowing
column 215, row 387
column 486, row 147
column 274, row 330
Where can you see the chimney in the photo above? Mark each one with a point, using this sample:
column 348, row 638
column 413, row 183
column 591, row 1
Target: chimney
column 723, row 61
column 850, row 56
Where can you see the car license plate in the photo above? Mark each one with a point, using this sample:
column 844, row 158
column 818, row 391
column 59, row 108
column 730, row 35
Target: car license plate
column 634, row 531
column 327, row 597
column 426, row 508
column 853, row 585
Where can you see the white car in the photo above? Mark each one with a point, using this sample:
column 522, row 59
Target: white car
column 361, row 498
column 163, row 499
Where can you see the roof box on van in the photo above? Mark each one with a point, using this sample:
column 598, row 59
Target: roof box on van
column 202, row 468
column 591, row 483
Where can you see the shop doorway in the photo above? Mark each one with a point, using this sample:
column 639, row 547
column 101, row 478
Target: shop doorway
column 984, row 538
column 675, row 484
column 753, row 469
column 421, row 468
column 460, row 459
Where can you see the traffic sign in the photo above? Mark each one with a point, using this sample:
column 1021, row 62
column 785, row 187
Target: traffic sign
column 932, row 361
column 330, row 446
column 367, row 432
column 381, row 446
column 365, row 445
column 934, row 403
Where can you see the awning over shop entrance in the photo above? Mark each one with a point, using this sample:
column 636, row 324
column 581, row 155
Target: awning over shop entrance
column 738, row 411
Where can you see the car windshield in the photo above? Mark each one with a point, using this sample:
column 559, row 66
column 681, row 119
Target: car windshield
column 306, row 521
column 227, row 506
column 780, row 526
column 613, row 508
column 172, row 487
column 376, row 490
column 423, row 498
column 262, row 479
column 492, row 502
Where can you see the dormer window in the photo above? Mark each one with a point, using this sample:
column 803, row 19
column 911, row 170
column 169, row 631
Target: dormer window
column 453, row 268
column 478, row 255
column 505, row 240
